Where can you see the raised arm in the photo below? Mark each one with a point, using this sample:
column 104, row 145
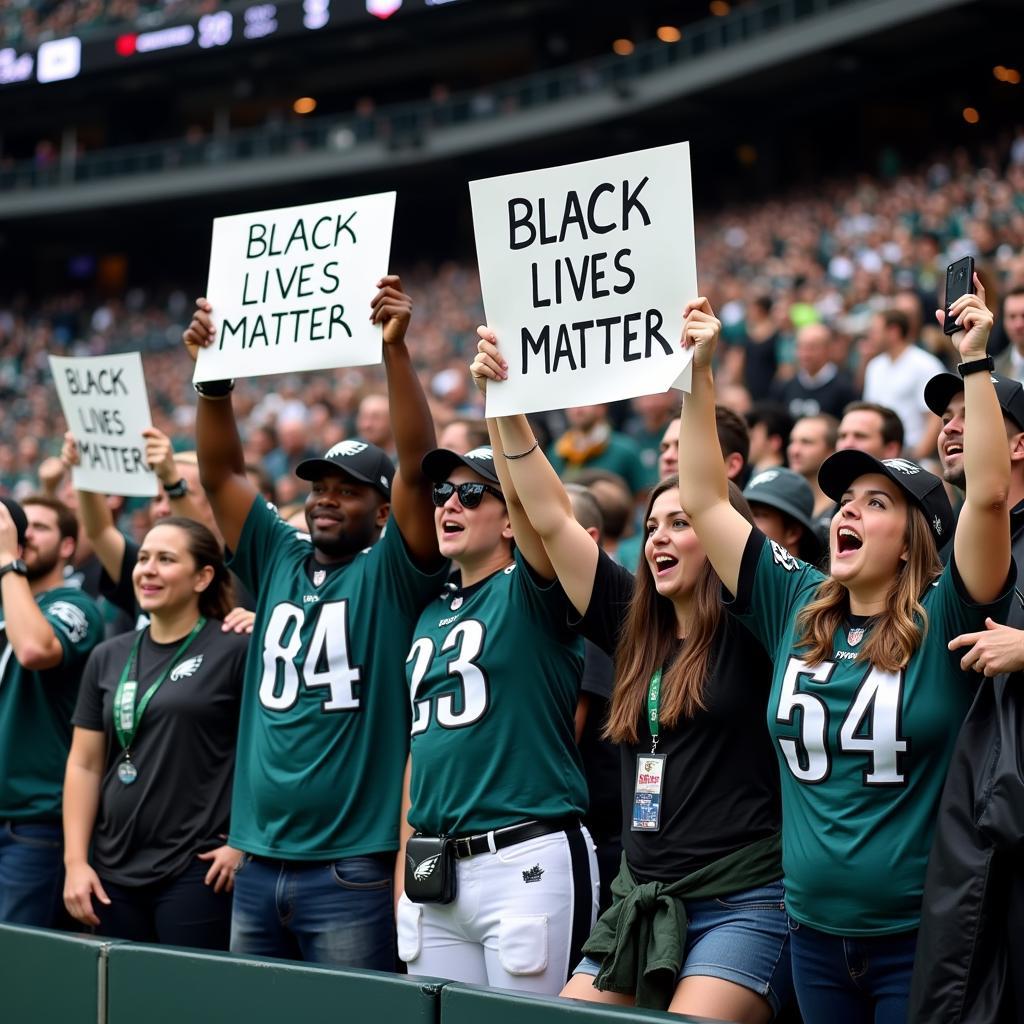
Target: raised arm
column 703, row 484
column 981, row 545
column 571, row 550
column 411, row 424
column 527, row 539
column 218, row 446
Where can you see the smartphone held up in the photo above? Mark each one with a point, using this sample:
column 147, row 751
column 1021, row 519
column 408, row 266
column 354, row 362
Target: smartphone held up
column 959, row 281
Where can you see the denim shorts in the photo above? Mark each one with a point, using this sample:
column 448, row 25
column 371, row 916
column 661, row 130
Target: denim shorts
column 742, row 938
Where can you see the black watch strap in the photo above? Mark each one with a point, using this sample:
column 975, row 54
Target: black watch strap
column 178, row 490
column 986, row 365
column 214, row 388
column 16, row 565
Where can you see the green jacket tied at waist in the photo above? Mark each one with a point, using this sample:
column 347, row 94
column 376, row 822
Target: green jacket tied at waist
column 640, row 939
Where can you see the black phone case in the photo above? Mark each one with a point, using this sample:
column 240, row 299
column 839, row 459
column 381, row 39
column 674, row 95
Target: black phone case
column 955, row 287
column 430, row 875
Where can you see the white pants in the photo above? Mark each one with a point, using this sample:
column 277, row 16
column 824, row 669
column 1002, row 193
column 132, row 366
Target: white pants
column 517, row 917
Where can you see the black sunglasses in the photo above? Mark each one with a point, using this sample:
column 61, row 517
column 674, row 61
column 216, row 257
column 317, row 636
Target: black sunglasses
column 470, row 493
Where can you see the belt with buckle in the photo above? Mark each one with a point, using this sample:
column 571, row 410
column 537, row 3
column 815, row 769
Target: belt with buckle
column 500, row 838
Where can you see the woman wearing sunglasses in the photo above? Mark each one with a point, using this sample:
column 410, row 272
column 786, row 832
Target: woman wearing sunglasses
column 500, row 880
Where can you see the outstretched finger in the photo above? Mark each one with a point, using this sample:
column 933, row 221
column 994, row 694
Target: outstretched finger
column 964, row 640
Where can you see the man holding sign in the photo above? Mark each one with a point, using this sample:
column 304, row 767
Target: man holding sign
column 324, row 732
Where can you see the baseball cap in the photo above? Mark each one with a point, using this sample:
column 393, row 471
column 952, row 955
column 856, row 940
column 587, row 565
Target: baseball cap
column 19, row 517
column 360, row 460
column 943, row 386
column 439, row 463
column 922, row 488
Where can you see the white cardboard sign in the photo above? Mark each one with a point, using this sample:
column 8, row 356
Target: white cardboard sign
column 585, row 270
column 106, row 408
column 291, row 288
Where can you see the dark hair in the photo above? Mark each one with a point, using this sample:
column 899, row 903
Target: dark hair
column 1016, row 290
column 892, row 425
column 219, row 597
column 733, row 435
column 648, row 641
column 476, row 431
column 774, row 416
column 264, row 481
column 898, row 319
column 616, row 514
column 67, row 521
column 831, row 427
column 586, row 509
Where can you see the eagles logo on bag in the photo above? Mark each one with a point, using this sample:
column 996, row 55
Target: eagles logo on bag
column 425, row 868
column 430, row 869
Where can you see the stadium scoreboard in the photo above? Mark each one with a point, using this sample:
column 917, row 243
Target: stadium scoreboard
column 59, row 60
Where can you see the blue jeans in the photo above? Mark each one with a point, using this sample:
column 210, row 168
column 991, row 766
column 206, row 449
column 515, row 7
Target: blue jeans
column 328, row 912
column 842, row 980
column 31, row 872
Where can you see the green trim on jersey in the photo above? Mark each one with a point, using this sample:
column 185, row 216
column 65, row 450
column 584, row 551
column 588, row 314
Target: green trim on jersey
column 36, row 708
column 494, row 678
column 324, row 729
column 863, row 753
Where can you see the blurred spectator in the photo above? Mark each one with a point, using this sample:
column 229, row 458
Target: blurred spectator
column 590, row 442
column 769, row 424
column 463, row 436
column 811, row 441
column 373, row 422
column 652, row 414
column 818, row 384
column 871, row 428
column 1010, row 363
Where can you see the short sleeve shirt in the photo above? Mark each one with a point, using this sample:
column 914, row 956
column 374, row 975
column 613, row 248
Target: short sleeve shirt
column 36, row 706
column 863, row 753
column 324, row 731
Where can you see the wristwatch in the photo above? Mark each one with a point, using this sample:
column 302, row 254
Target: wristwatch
column 17, row 565
column 178, row 490
column 984, row 365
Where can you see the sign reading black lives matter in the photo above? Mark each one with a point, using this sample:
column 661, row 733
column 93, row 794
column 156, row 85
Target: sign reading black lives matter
column 106, row 408
column 291, row 288
column 585, row 270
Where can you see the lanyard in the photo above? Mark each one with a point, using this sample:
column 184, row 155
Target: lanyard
column 653, row 703
column 126, row 716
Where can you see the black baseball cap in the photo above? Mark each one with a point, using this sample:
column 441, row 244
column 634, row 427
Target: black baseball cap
column 943, row 386
column 19, row 517
column 439, row 463
column 360, row 460
column 922, row 488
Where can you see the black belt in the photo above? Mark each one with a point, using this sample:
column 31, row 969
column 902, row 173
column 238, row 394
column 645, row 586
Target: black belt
column 500, row 838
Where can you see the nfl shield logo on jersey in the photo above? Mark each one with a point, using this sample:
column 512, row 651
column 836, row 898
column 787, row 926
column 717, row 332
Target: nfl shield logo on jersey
column 854, row 636
column 456, row 603
column 319, row 575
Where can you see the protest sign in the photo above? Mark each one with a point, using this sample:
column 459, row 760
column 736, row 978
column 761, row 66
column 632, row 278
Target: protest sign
column 106, row 408
column 291, row 288
column 585, row 270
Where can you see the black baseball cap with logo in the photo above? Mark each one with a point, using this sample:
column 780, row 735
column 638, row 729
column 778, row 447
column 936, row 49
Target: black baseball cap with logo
column 943, row 386
column 360, row 460
column 19, row 517
column 439, row 463
column 922, row 488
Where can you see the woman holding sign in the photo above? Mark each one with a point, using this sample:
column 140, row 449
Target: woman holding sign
column 148, row 782
column 501, row 878
column 697, row 924
column 866, row 700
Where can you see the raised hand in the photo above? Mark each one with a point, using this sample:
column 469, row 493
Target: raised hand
column 200, row 333
column 701, row 329
column 975, row 320
column 391, row 308
column 160, row 456
column 488, row 363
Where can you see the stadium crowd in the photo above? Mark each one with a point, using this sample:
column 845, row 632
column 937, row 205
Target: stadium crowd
column 536, row 657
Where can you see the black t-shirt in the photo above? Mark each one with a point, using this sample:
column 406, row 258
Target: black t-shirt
column 184, row 749
column 121, row 593
column 600, row 756
column 830, row 397
column 721, row 787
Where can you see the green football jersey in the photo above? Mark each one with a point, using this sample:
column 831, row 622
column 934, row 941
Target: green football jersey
column 36, row 708
column 863, row 753
column 324, row 728
column 494, row 676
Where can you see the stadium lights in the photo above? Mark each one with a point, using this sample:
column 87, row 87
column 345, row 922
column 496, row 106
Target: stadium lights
column 669, row 34
column 623, row 47
column 1009, row 75
column 970, row 115
column 719, row 8
column 304, row 105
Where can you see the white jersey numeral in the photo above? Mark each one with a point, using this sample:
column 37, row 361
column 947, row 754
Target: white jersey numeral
column 468, row 638
column 325, row 664
column 870, row 726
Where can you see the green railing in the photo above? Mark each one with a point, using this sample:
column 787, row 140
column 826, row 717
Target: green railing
column 50, row 978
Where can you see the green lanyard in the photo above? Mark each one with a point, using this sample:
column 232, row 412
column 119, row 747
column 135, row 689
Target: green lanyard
column 653, row 703
column 126, row 716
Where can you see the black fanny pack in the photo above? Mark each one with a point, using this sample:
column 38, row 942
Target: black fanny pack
column 430, row 869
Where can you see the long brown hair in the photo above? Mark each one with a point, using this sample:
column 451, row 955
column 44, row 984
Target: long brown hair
column 219, row 597
column 649, row 640
column 898, row 633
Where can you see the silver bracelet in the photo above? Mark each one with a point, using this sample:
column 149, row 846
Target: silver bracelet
column 522, row 455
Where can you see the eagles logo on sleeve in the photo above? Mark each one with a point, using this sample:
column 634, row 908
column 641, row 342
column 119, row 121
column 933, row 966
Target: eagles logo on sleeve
column 783, row 557
column 71, row 620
